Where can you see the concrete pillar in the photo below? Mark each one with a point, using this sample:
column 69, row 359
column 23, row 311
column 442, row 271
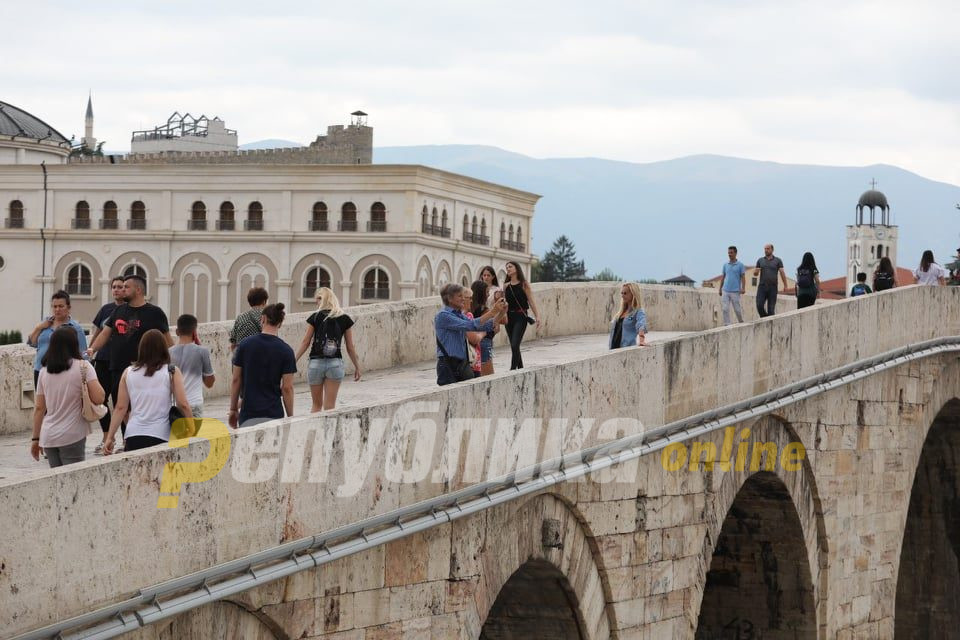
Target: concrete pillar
column 164, row 293
column 408, row 290
column 283, row 292
column 224, row 285
column 345, row 287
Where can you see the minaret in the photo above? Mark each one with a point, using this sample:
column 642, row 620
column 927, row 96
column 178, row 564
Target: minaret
column 88, row 140
column 868, row 242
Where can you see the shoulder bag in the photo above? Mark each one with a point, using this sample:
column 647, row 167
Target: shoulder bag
column 530, row 319
column 91, row 412
column 457, row 370
column 180, row 427
column 328, row 346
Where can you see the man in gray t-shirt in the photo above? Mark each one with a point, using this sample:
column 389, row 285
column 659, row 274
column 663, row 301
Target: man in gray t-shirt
column 193, row 362
column 768, row 268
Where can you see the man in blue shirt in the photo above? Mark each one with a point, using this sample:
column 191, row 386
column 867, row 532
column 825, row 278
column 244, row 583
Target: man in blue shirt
column 734, row 284
column 452, row 327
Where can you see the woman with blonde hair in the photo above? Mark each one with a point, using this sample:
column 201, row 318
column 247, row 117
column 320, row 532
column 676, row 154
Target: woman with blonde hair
column 328, row 330
column 629, row 324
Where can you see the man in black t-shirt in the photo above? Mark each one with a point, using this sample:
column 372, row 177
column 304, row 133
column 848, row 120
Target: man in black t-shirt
column 102, row 363
column 126, row 326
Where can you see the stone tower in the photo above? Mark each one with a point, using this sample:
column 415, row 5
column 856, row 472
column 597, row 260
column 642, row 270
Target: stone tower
column 88, row 140
column 867, row 242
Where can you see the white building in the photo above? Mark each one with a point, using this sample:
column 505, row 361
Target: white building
column 203, row 234
column 185, row 133
column 870, row 240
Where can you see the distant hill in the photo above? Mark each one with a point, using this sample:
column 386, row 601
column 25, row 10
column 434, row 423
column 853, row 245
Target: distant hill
column 272, row 143
column 652, row 220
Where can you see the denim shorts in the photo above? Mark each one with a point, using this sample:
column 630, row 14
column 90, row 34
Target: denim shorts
column 324, row 368
column 486, row 350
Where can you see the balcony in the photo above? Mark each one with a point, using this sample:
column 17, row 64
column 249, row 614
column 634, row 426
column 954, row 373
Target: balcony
column 378, row 293
column 513, row 246
column 436, row 230
column 476, row 238
column 253, row 225
column 226, row 225
column 109, row 223
column 80, row 223
column 136, row 224
column 318, row 225
column 347, row 225
column 197, row 225
column 13, row 223
column 377, row 225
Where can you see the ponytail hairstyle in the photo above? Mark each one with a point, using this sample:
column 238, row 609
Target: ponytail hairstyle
column 274, row 314
column 327, row 301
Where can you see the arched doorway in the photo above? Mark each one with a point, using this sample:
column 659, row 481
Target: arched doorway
column 928, row 583
column 759, row 583
column 536, row 602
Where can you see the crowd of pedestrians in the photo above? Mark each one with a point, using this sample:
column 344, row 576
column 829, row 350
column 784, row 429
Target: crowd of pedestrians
column 152, row 381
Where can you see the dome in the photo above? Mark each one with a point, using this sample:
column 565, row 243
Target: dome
column 873, row 198
column 17, row 122
column 25, row 138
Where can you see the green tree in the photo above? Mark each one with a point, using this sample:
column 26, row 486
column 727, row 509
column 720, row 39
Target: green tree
column 560, row 263
column 607, row 275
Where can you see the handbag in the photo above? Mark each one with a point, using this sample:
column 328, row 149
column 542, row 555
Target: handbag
column 456, row 370
column 180, row 427
column 90, row 412
column 328, row 346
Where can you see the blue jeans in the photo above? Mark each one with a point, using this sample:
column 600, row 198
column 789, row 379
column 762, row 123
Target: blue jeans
column 766, row 300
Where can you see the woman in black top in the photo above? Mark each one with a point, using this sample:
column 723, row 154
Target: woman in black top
column 519, row 297
column 884, row 277
column 808, row 281
column 327, row 330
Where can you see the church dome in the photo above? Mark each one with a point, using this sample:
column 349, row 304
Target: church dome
column 873, row 198
column 25, row 138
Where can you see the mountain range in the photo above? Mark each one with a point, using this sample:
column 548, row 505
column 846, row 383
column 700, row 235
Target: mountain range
column 658, row 219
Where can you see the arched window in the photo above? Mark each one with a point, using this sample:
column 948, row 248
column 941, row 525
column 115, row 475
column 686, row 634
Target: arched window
column 879, row 250
column 423, row 220
column 15, row 221
column 433, row 217
column 378, row 217
column 81, row 218
column 376, row 285
column 198, row 216
column 227, row 219
column 520, row 246
column 473, row 226
column 348, row 217
column 254, row 217
column 109, row 220
column 466, row 227
column 318, row 220
column 503, row 234
column 483, row 227
column 313, row 279
column 444, row 225
column 138, row 216
column 510, row 234
column 79, row 280
column 135, row 270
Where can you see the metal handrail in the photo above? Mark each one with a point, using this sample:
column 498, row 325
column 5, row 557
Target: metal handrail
column 229, row 578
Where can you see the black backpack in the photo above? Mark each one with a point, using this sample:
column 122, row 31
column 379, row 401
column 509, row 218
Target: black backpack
column 883, row 281
column 805, row 279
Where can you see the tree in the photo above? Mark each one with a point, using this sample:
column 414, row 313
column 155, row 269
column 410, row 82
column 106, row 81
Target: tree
column 560, row 263
column 607, row 275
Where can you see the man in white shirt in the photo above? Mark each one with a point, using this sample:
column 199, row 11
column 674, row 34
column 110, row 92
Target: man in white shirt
column 193, row 361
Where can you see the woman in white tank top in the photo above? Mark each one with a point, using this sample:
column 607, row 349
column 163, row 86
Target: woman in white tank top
column 144, row 397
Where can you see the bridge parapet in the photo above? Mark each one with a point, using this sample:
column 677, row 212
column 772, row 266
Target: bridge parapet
column 102, row 504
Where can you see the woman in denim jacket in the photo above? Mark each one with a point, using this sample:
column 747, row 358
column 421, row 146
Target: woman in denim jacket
column 629, row 324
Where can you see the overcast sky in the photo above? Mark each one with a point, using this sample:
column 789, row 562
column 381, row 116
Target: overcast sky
column 838, row 82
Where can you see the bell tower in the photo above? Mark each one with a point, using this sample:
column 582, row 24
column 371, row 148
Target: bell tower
column 868, row 241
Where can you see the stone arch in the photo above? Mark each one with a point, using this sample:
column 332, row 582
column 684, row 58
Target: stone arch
column 766, row 544
column 366, row 263
column 538, row 552
column 249, row 270
column 322, row 260
column 424, row 278
column 465, row 276
column 82, row 307
column 124, row 260
column 444, row 273
column 927, row 601
column 221, row 620
column 196, row 289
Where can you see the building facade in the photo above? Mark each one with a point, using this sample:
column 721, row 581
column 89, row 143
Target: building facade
column 202, row 235
column 871, row 239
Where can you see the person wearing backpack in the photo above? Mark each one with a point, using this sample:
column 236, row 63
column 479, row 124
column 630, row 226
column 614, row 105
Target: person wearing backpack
column 884, row 277
column 329, row 329
column 861, row 288
column 808, row 281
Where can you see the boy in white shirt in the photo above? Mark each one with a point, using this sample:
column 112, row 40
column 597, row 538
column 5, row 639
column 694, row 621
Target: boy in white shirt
column 194, row 362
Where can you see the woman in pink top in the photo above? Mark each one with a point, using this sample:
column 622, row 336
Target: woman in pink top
column 473, row 337
column 59, row 428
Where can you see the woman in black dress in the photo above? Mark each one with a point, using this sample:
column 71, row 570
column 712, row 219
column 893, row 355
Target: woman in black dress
column 519, row 297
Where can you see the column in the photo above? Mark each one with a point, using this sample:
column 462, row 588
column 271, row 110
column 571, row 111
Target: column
column 408, row 290
column 224, row 285
column 345, row 299
column 164, row 294
column 283, row 291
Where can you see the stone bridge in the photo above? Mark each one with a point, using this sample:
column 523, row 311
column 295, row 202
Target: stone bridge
column 745, row 496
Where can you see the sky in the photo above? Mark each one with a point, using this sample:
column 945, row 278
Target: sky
column 838, row 82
